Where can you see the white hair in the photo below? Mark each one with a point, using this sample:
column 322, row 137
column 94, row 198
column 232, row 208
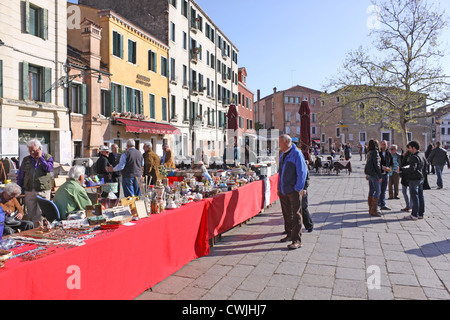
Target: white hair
column 34, row 143
column 12, row 189
column 148, row 144
column 287, row 139
column 76, row 172
column 131, row 143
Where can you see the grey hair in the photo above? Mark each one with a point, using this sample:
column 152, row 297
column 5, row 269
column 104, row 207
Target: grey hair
column 12, row 189
column 76, row 172
column 394, row 146
column 286, row 139
column 131, row 143
column 148, row 144
column 34, row 143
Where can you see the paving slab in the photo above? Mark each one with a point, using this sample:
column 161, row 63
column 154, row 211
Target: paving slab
column 349, row 255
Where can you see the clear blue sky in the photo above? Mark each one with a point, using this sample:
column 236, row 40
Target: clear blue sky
column 295, row 42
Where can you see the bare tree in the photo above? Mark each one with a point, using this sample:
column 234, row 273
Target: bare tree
column 404, row 78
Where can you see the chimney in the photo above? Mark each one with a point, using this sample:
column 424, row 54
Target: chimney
column 275, row 90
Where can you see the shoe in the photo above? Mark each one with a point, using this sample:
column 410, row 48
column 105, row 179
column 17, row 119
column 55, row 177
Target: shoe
column 420, row 218
column 385, row 208
column 411, row 217
column 439, row 188
column 390, row 198
column 286, row 239
column 406, row 210
column 396, row 198
column 310, row 229
column 295, row 245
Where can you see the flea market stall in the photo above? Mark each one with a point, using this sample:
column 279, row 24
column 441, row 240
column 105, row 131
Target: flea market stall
column 120, row 249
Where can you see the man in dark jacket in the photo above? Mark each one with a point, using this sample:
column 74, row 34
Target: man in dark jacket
column 439, row 158
column 416, row 173
column 386, row 168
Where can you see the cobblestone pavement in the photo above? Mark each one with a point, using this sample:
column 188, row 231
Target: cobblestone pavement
column 340, row 259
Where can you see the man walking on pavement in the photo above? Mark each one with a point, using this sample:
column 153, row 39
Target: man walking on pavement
column 438, row 158
column 291, row 184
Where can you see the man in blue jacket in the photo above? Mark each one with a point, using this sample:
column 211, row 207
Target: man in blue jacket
column 291, row 183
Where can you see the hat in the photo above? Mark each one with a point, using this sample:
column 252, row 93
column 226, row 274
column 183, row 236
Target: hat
column 104, row 148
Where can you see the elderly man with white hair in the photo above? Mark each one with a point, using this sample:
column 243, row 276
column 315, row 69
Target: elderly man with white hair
column 34, row 176
column 130, row 164
column 72, row 196
column 291, row 184
column 13, row 210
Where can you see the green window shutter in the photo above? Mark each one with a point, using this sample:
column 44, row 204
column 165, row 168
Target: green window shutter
column 108, row 104
column 47, row 90
column 43, row 15
column 121, row 45
column 1, row 78
column 27, row 16
column 133, row 101
column 112, row 106
column 141, row 102
column 83, row 99
column 121, row 88
column 25, row 81
column 152, row 106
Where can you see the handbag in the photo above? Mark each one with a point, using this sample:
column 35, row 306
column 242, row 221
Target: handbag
column 11, row 221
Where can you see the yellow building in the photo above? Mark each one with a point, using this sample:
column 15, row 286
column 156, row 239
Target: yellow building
column 138, row 63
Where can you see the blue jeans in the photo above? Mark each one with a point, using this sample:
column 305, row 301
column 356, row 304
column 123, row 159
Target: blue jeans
column 405, row 195
column 383, row 187
column 131, row 187
column 439, row 170
column 374, row 187
column 417, row 200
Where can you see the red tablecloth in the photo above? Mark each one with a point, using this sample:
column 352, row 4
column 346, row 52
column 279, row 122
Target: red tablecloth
column 124, row 263
column 229, row 209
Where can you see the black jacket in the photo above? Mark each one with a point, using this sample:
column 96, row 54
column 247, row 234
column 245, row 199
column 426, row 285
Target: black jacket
column 373, row 167
column 386, row 161
column 417, row 167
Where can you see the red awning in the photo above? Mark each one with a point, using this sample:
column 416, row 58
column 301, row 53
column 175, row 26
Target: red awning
column 138, row 126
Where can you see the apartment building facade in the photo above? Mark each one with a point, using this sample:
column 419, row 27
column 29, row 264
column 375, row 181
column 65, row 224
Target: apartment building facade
column 344, row 123
column 33, row 52
column 280, row 111
column 246, row 110
column 137, row 100
column 202, row 64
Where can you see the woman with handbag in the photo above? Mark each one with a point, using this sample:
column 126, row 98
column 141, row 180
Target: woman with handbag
column 13, row 210
column 373, row 175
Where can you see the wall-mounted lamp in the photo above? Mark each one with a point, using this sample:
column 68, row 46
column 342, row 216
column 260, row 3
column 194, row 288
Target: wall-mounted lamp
column 118, row 134
column 100, row 80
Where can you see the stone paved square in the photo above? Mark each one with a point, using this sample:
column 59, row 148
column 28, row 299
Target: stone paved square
column 249, row 262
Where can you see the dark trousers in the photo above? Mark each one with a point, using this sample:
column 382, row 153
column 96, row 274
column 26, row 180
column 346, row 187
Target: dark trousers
column 307, row 221
column 292, row 213
column 394, row 181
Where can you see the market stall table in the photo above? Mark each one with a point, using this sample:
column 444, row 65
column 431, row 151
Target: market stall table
column 123, row 263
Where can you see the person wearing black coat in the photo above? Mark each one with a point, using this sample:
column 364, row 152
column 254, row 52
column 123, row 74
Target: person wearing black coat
column 405, row 181
column 373, row 175
column 416, row 172
column 307, row 221
column 386, row 163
